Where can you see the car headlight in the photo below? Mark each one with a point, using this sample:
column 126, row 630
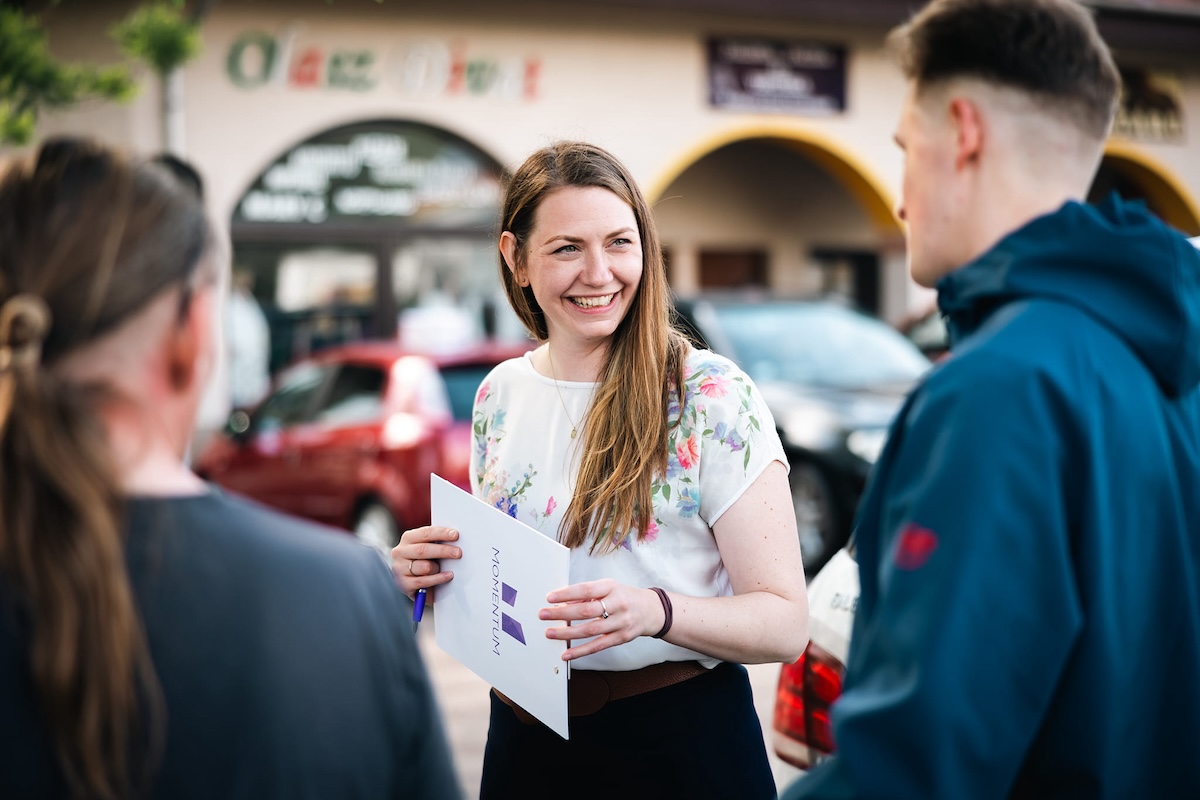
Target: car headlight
column 867, row 444
column 402, row 431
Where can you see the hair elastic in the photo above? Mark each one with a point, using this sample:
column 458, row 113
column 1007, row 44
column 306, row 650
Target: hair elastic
column 24, row 321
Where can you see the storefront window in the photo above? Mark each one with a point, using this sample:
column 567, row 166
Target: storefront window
column 327, row 276
column 310, row 296
column 448, row 293
column 373, row 230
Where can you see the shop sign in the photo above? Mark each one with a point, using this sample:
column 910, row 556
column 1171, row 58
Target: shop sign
column 1151, row 106
column 381, row 171
column 256, row 60
column 767, row 75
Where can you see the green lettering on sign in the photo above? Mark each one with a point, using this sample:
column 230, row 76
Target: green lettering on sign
column 481, row 76
column 351, row 69
column 235, row 62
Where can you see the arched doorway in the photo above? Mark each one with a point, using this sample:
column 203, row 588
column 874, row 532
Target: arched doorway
column 1136, row 177
column 360, row 229
column 785, row 211
column 781, row 214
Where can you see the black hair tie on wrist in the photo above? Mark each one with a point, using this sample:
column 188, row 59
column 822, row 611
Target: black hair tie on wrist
column 667, row 612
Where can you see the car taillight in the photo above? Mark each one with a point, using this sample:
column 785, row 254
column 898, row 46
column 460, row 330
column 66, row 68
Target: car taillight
column 803, row 700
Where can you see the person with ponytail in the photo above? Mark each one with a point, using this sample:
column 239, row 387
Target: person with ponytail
column 159, row 638
column 660, row 466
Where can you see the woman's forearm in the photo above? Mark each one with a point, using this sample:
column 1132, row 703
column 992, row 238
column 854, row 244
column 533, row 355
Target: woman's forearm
column 752, row 628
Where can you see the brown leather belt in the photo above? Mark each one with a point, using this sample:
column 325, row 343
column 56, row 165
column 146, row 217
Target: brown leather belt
column 588, row 691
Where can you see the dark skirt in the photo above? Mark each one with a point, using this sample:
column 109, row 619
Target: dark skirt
column 700, row 738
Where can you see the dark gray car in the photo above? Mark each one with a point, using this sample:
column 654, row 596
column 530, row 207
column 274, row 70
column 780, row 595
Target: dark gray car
column 833, row 378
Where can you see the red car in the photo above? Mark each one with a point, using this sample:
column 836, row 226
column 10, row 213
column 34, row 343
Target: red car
column 350, row 436
column 803, row 734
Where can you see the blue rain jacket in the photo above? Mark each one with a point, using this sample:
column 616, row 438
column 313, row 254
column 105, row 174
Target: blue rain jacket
column 1029, row 545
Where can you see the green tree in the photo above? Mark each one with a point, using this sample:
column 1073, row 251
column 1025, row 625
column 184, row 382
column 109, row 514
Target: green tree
column 161, row 36
column 31, row 79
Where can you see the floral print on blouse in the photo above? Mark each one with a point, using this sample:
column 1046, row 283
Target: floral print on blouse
column 714, row 379
column 524, row 462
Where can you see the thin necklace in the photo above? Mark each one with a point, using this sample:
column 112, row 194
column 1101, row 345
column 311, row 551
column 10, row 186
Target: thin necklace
column 554, row 377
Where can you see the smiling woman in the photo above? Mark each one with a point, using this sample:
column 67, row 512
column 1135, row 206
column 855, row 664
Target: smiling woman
column 583, row 263
column 660, row 467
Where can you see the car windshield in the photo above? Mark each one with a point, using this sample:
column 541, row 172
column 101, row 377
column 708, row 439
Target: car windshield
column 462, row 382
column 817, row 344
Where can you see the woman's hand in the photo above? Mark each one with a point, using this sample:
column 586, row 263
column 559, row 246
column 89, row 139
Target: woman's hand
column 415, row 558
column 614, row 614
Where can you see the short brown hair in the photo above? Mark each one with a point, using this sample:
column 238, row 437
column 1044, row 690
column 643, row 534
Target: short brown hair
column 1049, row 49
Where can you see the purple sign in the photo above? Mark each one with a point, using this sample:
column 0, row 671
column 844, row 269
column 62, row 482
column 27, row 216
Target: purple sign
column 767, row 75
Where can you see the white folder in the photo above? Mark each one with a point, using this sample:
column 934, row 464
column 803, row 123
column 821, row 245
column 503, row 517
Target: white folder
column 486, row 616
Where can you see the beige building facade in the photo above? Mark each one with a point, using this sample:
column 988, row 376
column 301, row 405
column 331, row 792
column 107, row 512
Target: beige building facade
column 356, row 148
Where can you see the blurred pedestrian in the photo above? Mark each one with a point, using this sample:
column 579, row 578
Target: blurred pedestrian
column 660, row 467
column 247, row 343
column 1029, row 545
column 157, row 637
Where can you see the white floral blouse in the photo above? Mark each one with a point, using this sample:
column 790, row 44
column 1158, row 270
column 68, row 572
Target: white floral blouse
column 524, row 462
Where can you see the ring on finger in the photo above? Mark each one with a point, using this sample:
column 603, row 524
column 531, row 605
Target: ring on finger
column 604, row 610
column 412, row 563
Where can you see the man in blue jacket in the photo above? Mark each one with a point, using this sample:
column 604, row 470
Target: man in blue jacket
column 1029, row 547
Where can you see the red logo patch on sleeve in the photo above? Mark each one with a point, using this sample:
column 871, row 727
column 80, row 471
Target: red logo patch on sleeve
column 914, row 546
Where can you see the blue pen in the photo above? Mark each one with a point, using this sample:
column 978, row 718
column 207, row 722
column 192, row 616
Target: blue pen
column 418, row 607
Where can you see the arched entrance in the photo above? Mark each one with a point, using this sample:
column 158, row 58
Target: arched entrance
column 1134, row 175
column 353, row 232
column 789, row 213
column 783, row 210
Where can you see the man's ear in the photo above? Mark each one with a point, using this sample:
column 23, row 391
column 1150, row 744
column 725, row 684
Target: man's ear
column 969, row 131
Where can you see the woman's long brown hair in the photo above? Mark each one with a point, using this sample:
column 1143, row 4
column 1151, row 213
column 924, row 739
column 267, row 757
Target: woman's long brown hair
column 626, row 427
column 94, row 238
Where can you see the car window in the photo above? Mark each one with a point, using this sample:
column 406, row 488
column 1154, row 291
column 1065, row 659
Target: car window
column 817, row 344
column 930, row 334
column 355, row 397
column 294, row 399
column 462, row 382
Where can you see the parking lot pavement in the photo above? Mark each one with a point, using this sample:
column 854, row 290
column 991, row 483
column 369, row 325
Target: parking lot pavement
column 463, row 698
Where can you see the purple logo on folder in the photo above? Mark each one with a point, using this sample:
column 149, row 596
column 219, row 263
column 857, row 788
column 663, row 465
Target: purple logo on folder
column 508, row 624
column 503, row 593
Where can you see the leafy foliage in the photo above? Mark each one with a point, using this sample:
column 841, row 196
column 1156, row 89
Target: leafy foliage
column 32, row 79
column 159, row 35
